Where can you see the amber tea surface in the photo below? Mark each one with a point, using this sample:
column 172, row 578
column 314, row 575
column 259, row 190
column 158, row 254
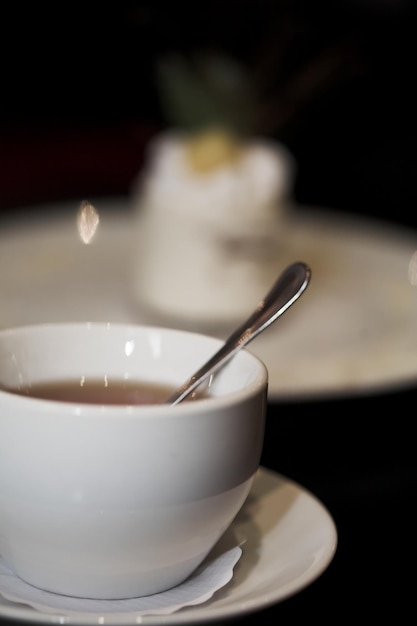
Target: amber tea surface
column 113, row 392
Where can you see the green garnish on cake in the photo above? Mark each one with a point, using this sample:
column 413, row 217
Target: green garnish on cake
column 211, row 100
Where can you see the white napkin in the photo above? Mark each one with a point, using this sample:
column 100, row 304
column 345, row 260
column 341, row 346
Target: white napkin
column 215, row 572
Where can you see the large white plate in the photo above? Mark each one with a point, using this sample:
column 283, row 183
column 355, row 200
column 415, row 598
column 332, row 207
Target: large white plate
column 353, row 331
column 288, row 536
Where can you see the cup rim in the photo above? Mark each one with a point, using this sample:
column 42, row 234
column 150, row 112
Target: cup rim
column 211, row 403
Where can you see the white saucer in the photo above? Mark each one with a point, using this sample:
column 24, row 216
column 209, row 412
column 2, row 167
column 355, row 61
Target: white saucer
column 288, row 539
column 353, row 331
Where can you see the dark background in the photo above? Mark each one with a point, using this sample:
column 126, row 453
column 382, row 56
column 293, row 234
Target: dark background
column 337, row 84
column 335, row 80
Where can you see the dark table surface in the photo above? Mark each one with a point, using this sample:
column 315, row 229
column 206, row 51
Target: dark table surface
column 358, row 456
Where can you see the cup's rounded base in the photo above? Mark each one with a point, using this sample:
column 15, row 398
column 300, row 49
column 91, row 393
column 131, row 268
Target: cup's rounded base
column 112, row 586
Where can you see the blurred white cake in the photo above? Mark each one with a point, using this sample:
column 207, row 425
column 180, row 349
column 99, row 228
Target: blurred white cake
column 211, row 225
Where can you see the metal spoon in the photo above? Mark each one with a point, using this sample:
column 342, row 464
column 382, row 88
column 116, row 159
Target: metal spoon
column 285, row 291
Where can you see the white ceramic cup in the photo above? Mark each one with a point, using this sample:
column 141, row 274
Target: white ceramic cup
column 121, row 501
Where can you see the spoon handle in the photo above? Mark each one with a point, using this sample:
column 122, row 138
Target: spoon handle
column 285, row 291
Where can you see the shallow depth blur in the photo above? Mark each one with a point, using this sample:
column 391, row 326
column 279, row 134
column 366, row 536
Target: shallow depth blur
column 334, row 84
column 86, row 96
